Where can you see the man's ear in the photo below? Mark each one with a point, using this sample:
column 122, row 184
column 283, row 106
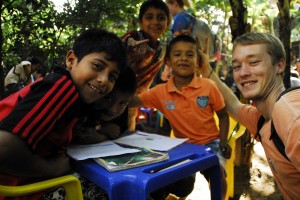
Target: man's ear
column 281, row 66
column 71, row 59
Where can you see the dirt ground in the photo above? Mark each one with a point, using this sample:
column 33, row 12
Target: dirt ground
column 256, row 183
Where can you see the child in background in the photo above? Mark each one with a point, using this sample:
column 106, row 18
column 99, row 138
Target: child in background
column 36, row 122
column 181, row 20
column 108, row 118
column 145, row 51
column 189, row 103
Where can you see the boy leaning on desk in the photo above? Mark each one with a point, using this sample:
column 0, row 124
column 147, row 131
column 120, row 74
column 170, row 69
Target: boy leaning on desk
column 189, row 103
column 36, row 122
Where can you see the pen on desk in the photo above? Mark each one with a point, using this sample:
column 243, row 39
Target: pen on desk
column 169, row 167
column 234, row 130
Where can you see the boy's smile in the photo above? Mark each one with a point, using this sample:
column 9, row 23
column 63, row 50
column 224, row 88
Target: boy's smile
column 94, row 75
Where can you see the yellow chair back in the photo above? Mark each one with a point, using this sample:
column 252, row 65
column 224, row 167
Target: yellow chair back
column 69, row 182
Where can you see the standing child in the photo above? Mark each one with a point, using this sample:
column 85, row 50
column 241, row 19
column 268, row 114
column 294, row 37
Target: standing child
column 182, row 20
column 189, row 102
column 36, row 122
column 145, row 51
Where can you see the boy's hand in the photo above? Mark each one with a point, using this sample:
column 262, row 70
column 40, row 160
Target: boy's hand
column 90, row 135
column 181, row 31
column 111, row 130
column 140, row 54
column 226, row 151
column 132, row 42
column 204, row 66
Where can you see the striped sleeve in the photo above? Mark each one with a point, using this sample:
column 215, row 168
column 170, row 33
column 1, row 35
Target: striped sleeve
column 36, row 114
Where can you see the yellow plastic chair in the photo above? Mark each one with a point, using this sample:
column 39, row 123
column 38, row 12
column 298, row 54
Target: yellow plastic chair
column 69, row 182
column 238, row 132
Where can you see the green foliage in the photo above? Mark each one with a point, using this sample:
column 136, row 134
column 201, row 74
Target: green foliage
column 28, row 30
column 35, row 28
column 118, row 16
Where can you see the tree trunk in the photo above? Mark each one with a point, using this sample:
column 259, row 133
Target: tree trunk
column 1, row 66
column 239, row 26
column 238, row 20
column 285, row 22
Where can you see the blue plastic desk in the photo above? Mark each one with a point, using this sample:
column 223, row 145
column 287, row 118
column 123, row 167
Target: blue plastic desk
column 137, row 183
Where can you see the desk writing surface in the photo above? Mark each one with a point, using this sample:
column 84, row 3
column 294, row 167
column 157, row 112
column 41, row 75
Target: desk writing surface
column 137, row 183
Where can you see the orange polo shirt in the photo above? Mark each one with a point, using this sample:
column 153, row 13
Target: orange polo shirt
column 191, row 111
column 285, row 116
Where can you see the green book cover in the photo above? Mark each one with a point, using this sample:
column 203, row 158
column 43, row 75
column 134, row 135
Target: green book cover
column 131, row 160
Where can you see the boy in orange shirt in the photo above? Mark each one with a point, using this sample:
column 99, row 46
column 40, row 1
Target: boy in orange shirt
column 189, row 102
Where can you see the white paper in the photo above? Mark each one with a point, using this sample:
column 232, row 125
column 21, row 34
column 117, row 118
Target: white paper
column 150, row 141
column 103, row 149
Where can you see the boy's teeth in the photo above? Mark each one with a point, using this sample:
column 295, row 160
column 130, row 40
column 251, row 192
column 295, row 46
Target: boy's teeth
column 94, row 88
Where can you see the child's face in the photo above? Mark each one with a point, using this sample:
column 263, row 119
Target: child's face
column 94, row 75
column 154, row 22
column 113, row 105
column 172, row 7
column 183, row 59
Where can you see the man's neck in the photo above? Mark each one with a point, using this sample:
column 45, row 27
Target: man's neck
column 265, row 105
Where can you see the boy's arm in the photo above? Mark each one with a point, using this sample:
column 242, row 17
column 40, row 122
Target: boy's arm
column 232, row 102
column 135, row 102
column 224, row 128
column 17, row 159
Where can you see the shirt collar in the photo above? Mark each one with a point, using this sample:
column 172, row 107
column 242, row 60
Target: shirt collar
column 195, row 83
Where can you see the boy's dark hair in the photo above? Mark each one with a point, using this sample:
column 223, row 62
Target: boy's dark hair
column 126, row 81
column 34, row 60
column 155, row 4
column 181, row 38
column 42, row 70
column 98, row 40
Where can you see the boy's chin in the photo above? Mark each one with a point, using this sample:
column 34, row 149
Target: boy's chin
column 107, row 118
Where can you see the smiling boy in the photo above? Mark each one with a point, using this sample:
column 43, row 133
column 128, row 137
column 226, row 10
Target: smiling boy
column 108, row 118
column 189, row 103
column 145, row 50
column 36, row 122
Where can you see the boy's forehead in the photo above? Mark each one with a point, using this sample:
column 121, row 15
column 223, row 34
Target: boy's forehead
column 152, row 10
column 183, row 45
